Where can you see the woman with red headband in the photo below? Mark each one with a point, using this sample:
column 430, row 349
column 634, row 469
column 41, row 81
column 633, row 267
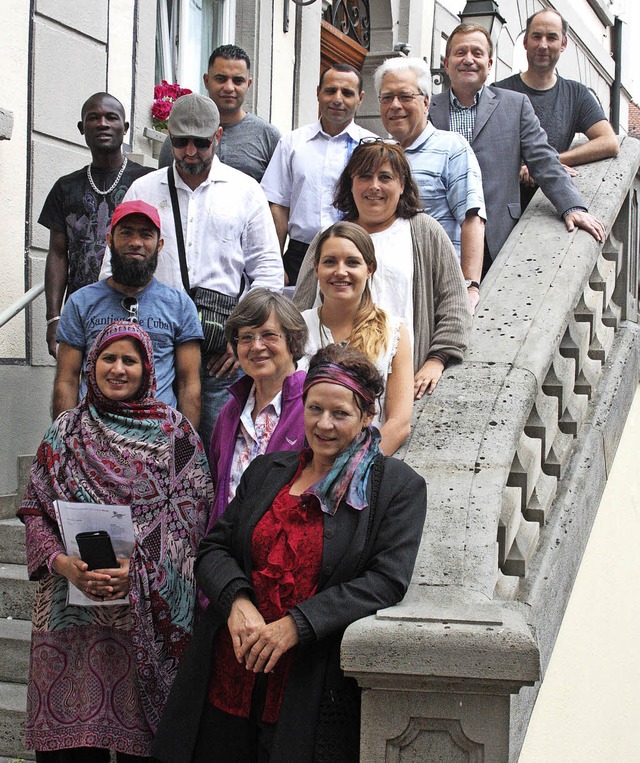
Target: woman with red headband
column 312, row 542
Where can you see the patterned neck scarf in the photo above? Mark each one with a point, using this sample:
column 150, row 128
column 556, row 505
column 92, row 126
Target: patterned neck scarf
column 347, row 479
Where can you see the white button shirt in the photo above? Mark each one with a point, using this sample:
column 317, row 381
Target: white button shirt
column 227, row 226
column 303, row 172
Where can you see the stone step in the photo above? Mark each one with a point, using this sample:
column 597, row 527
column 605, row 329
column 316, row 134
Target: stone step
column 9, row 503
column 15, row 639
column 12, row 537
column 13, row 703
column 16, row 592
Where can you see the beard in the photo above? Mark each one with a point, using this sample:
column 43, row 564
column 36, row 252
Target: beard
column 132, row 272
column 194, row 168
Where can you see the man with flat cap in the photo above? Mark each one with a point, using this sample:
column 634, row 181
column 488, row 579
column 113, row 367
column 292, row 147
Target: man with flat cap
column 132, row 293
column 219, row 235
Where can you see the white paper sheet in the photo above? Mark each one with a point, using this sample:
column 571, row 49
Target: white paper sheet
column 74, row 518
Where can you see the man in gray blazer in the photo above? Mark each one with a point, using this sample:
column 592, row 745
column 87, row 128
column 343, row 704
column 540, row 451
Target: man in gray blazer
column 503, row 130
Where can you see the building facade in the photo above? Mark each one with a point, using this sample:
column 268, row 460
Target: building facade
column 54, row 54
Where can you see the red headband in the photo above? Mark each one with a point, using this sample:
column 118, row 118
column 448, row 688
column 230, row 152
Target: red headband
column 332, row 373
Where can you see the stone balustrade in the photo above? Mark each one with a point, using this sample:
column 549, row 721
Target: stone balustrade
column 515, row 445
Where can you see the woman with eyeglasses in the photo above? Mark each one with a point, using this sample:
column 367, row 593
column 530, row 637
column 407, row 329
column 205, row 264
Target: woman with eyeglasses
column 312, row 542
column 264, row 413
column 100, row 674
column 418, row 276
column 344, row 264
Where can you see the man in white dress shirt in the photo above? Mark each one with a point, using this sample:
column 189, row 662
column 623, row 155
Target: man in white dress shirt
column 300, row 179
column 227, row 228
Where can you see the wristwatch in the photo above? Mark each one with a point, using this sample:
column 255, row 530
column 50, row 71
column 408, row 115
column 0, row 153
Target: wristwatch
column 469, row 284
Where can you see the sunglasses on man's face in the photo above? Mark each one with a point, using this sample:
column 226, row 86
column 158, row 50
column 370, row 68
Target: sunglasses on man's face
column 200, row 143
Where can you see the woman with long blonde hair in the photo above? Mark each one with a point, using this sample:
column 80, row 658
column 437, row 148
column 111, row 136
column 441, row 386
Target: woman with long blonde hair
column 344, row 263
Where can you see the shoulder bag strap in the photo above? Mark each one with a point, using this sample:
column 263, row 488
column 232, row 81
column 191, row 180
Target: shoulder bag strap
column 179, row 232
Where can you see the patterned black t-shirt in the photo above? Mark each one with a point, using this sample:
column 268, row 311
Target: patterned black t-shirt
column 73, row 208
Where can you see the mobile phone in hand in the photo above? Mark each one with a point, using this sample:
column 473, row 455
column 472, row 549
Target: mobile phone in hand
column 96, row 550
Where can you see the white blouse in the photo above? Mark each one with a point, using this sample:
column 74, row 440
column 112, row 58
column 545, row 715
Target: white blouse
column 320, row 336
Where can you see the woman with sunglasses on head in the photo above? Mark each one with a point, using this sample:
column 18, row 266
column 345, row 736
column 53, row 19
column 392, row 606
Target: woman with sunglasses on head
column 312, row 542
column 264, row 413
column 99, row 675
column 418, row 276
column 344, row 263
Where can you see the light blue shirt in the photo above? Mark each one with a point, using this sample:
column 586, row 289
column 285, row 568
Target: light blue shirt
column 303, row 172
column 448, row 177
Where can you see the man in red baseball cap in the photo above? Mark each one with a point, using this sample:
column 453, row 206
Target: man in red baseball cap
column 132, row 292
column 138, row 207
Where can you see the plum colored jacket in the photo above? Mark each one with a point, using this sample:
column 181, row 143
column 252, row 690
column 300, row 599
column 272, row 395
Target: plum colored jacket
column 288, row 434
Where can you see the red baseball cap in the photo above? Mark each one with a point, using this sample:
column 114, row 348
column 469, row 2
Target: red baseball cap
column 136, row 207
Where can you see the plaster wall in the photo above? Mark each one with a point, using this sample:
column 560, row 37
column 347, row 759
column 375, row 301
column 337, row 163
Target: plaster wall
column 14, row 45
column 282, row 66
column 120, row 55
column 589, row 702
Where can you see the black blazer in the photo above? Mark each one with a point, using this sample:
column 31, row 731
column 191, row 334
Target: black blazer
column 367, row 562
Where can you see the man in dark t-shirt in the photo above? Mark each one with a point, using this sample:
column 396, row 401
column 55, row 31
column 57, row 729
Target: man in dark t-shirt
column 78, row 209
column 563, row 106
column 248, row 142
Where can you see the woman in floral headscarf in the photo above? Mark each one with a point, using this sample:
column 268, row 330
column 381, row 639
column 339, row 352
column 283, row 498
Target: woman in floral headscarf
column 100, row 675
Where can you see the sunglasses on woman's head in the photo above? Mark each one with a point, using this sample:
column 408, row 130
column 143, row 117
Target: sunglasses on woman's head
column 369, row 139
column 130, row 304
column 200, row 143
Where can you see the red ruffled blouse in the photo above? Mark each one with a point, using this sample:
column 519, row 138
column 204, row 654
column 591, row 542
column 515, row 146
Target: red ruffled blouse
column 286, row 555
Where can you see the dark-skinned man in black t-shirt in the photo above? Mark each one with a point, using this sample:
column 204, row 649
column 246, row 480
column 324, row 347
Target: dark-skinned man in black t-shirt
column 78, row 209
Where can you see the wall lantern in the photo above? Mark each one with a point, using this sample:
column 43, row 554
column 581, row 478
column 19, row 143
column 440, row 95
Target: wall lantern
column 486, row 14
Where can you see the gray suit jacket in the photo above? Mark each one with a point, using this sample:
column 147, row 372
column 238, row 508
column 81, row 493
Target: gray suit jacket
column 507, row 132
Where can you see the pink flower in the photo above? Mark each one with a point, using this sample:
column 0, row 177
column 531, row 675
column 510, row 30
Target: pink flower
column 161, row 110
column 165, row 94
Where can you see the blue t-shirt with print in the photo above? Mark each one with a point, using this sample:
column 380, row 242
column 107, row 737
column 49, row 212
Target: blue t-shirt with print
column 166, row 314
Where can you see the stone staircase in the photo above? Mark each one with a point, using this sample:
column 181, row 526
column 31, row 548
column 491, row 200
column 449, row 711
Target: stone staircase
column 16, row 596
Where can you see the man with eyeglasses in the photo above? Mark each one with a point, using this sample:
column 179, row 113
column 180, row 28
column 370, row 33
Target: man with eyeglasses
column 443, row 165
column 247, row 141
column 228, row 236
column 300, row 179
column 132, row 293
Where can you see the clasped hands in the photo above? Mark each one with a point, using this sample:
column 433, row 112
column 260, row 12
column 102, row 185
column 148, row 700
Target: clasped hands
column 258, row 644
column 98, row 585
